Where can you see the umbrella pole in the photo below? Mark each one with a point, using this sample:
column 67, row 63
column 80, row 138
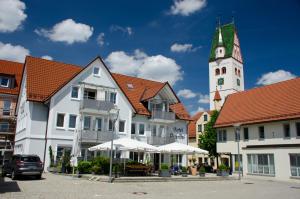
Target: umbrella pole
column 159, row 160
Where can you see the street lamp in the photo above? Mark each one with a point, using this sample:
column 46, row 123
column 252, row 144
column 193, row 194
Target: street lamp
column 113, row 116
column 237, row 128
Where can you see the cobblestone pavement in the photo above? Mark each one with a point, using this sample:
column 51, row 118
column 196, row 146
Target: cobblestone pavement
column 56, row 187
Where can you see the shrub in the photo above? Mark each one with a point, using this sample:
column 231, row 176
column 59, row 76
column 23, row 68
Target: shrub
column 202, row 169
column 102, row 162
column 96, row 169
column 116, row 168
column 223, row 167
column 84, row 166
column 184, row 169
column 164, row 167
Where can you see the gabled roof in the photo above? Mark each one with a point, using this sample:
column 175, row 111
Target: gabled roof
column 192, row 125
column 227, row 32
column 143, row 89
column 279, row 101
column 45, row 77
column 15, row 70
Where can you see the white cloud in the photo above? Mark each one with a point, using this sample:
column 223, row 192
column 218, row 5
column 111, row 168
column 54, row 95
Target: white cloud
column 276, row 76
column 186, row 93
column 67, row 31
column 183, row 48
column 11, row 15
column 13, row 53
column 100, row 39
column 158, row 67
column 187, row 7
column 47, row 57
column 128, row 30
column 199, row 109
column 203, row 99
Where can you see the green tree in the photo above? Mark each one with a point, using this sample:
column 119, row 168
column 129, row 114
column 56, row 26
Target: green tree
column 208, row 139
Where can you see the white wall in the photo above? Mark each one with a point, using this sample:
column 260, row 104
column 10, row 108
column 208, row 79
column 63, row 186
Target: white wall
column 274, row 135
column 230, row 78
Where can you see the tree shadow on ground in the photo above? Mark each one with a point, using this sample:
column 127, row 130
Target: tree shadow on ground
column 8, row 186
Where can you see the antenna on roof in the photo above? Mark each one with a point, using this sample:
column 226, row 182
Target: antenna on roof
column 218, row 21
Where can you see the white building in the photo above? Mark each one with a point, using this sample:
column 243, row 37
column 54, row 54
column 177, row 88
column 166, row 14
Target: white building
column 269, row 120
column 57, row 98
column 226, row 72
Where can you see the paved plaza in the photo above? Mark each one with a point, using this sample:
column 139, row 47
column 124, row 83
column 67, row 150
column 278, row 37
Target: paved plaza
column 57, row 186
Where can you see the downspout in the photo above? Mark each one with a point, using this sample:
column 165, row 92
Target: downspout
column 46, row 139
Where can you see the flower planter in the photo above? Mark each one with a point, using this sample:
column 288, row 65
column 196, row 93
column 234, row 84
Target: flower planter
column 193, row 171
column 222, row 173
column 184, row 174
column 201, row 174
column 164, row 173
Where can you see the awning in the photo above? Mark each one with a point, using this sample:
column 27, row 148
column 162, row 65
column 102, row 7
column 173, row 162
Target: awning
column 178, row 148
column 125, row 144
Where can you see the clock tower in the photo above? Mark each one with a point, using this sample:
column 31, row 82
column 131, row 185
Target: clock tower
column 226, row 72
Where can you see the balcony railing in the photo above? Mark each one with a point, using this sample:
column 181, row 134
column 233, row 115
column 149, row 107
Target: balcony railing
column 96, row 136
column 158, row 140
column 162, row 115
column 7, row 112
column 91, row 105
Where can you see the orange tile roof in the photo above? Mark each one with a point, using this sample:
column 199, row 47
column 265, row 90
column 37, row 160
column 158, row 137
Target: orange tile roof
column 46, row 77
column 217, row 96
column 145, row 89
column 279, row 101
column 12, row 69
column 192, row 125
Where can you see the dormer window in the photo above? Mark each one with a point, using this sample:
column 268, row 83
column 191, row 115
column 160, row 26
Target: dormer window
column 96, row 71
column 4, row 81
column 130, row 86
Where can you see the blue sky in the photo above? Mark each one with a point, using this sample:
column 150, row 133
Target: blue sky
column 135, row 37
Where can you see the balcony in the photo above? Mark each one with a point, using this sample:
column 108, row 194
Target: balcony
column 162, row 116
column 7, row 113
column 89, row 136
column 96, row 106
column 158, row 140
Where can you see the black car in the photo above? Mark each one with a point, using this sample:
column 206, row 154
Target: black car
column 29, row 165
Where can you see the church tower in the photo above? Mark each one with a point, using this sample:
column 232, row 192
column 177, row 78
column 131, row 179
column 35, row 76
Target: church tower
column 226, row 72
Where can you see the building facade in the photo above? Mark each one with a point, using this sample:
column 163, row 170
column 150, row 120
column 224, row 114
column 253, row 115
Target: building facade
column 226, row 72
column 267, row 130
column 10, row 77
column 57, row 99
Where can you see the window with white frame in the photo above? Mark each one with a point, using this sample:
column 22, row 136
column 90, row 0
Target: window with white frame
column 72, row 121
column 295, row 164
column 261, row 164
column 4, row 82
column 110, row 125
column 4, row 126
column 6, row 107
column 87, row 122
column 261, row 132
column 99, row 124
column 199, row 127
column 133, row 128
column 141, row 129
column 154, row 130
column 222, row 135
column 75, row 92
column 298, row 129
column 60, row 120
column 96, row 71
column 113, row 97
column 122, row 126
column 286, row 130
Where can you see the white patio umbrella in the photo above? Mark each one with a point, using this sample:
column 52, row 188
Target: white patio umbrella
column 179, row 148
column 125, row 144
column 76, row 151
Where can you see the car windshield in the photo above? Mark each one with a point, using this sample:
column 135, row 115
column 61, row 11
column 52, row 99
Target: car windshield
column 30, row 159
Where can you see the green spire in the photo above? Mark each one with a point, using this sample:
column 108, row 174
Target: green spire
column 224, row 35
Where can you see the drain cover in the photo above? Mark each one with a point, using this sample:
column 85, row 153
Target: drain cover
column 139, row 193
column 295, row 187
column 248, row 183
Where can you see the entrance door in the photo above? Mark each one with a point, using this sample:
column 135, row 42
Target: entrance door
column 156, row 161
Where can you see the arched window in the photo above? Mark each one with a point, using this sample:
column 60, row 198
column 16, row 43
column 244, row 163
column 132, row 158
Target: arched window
column 239, row 73
column 235, row 70
column 224, row 70
column 217, row 71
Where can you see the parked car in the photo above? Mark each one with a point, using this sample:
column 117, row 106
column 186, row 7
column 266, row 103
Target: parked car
column 29, row 165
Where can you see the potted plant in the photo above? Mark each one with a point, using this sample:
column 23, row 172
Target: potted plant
column 183, row 171
column 96, row 169
column 202, row 171
column 164, row 171
column 116, row 170
column 223, row 170
column 193, row 170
